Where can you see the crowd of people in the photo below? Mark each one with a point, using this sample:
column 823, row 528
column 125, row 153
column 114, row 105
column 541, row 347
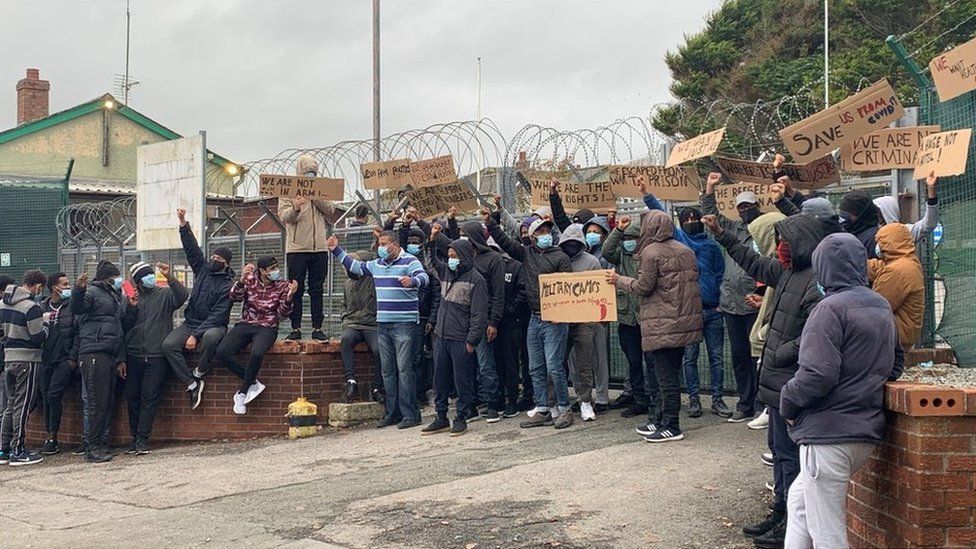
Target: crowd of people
column 818, row 307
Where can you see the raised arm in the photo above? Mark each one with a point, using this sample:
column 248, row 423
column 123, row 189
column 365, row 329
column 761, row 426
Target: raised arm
column 921, row 228
column 559, row 216
column 612, row 250
column 191, row 249
column 178, row 293
column 764, row 269
column 354, row 266
column 511, row 247
column 710, row 206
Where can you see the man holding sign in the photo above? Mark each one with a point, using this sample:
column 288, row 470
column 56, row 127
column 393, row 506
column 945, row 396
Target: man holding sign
column 306, row 229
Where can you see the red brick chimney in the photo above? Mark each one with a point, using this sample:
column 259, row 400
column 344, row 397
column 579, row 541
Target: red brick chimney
column 32, row 97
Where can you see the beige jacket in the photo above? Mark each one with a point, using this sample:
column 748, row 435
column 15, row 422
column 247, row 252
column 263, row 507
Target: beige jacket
column 306, row 227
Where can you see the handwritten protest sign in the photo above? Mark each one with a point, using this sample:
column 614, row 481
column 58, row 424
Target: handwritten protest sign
column 696, row 147
column 436, row 171
column 871, row 109
column 892, row 149
column 436, row 200
column 387, row 174
column 293, row 186
column 577, row 297
column 954, row 72
column 816, row 174
column 538, row 186
column 679, row 184
column 725, row 198
column 595, row 195
column 945, row 153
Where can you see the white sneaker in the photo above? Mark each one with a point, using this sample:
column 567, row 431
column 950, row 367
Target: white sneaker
column 253, row 391
column 770, row 487
column 586, row 411
column 767, row 459
column 761, row 421
column 239, row 407
column 534, row 411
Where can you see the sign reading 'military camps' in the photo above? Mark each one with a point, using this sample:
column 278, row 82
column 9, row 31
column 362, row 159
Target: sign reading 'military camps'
column 944, row 153
column 892, row 149
column 954, row 72
column 432, row 201
column 436, row 171
column 679, row 184
column 725, row 198
column 816, row 174
column 695, row 148
column 577, row 297
column 387, row 174
column 294, row 186
column 871, row 109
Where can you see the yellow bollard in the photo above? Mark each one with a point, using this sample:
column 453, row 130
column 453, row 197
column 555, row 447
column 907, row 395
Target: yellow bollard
column 301, row 418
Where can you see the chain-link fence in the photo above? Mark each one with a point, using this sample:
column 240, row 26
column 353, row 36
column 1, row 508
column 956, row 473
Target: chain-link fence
column 27, row 236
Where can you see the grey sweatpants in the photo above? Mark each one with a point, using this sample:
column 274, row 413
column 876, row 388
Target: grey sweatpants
column 582, row 358
column 601, row 371
column 817, row 500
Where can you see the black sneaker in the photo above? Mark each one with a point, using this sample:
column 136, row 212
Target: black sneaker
column 318, row 335
column 132, row 449
column 720, row 409
column 4, row 457
column 525, row 404
column 439, row 425
column 97, row 455
column 474, row 415
column 491, row 416
column 408, row 423
column 665, row 435
column 80, row 450
column 646, row 429
column 386, row 422
column 459, row 427
column 295, row 335
column 196, row 394
column 350, row 391
column 694, row 408
column 51, row 447
column 510, row 411
column 740, row 417
column 600, row 408
column 142, row 448
column 622, row 401
column 770, row 522
column 774, row 538
column 378, row 396
column 634, row 410
column 25, row 458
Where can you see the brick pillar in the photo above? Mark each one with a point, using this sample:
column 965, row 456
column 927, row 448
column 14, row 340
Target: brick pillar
column 32, row 97
column 918, row 488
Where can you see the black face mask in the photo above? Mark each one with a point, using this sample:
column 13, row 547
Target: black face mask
column 572, row 247
column 750, row 214
column 527, row 241
column 693, row 227
column 217, row 266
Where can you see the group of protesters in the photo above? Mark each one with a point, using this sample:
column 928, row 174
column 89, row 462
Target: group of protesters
column 818, row 305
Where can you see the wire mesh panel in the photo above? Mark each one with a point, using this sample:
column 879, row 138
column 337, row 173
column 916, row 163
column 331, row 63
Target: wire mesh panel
column 28, row 238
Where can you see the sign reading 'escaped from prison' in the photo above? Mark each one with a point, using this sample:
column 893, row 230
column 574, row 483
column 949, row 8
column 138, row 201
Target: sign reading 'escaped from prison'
column 871, row 109
column 436, row 171
column 725, row 198
column 577, row 297
column 944, row 153
column 816, row 174
column 433, row 201
column 695, row 148
column 387, row 174
column 892, row 149
column 954, row 72
column 294, row 186
column 679, row 184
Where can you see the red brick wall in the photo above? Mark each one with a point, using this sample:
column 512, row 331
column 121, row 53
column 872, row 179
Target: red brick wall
column 918, row 489
column 215, row 418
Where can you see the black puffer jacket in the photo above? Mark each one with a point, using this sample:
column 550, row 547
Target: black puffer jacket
column 59, row 346
column 99, row 309
column 534, row 261
column 796, row 295
column 210, row 302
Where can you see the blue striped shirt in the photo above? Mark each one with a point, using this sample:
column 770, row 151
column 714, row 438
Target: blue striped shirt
column 394, row 303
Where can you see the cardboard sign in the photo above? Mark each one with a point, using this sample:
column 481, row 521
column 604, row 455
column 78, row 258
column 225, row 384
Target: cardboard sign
column 697, row 147
column 433, row 201
column 725, row 198
column 680, row 184
column 577, row 297
column 816, row 174
column 539, row 187
column 436, row 171
column 293, row 186
column 388, row 174
column 595, row 195
column 892, row 149
column 954, row 72
column 945, row 153
column 871, row 109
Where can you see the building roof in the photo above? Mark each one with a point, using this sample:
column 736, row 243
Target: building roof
column 97, row 104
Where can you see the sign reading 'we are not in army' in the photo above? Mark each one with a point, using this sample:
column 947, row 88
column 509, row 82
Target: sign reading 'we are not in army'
column 294, row 186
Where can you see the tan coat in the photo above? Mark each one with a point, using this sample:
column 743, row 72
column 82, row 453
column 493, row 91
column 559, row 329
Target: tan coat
column 667, row 285
column 306, row 228
column 897, row 276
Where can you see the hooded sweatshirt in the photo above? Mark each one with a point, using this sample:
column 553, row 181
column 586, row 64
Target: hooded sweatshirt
column 581, row 260
column 897, row 276
column 462, row 315
column 865, row 227
column 763, row 231
column 597, row 251
column 210, row 304
column 667, row 285
column 625, row 263
column 148, row 323
column 535, row 261
column 891, row 213
column 488, row 262
column 848, row 351
column 796, row 295
column 22, row 325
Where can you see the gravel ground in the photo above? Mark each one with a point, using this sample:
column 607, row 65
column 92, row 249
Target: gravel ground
column 947, row 375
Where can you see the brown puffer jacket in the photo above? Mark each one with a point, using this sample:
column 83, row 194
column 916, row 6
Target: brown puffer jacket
column 667, row 284
column 897, row 276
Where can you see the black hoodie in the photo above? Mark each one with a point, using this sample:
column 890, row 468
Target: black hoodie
column 464, row 298
column 488, row 262
column 535, row 262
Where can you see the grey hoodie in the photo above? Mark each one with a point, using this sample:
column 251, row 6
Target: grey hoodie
column 21, row 325
column 581, row 260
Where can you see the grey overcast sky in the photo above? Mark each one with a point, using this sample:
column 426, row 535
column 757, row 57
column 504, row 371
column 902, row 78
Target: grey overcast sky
column 261, row 76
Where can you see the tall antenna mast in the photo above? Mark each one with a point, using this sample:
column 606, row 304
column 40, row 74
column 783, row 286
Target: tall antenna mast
column 128, row 18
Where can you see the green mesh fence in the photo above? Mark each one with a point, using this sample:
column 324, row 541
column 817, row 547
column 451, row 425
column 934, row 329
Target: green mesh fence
column 28, row 237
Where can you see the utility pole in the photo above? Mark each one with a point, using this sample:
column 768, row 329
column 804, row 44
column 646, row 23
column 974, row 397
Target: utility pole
column 128, row 19
column 376, row 93
column 826, row 53
column 481, row 154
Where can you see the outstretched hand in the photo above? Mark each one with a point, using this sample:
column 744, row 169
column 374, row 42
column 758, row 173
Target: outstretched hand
column 711, row 222
column 181, row 216
column 713, row 179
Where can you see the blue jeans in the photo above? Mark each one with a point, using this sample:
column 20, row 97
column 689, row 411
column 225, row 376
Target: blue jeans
column 399, row 378
column 546, row 342
column 714, row 340
column 487, row 373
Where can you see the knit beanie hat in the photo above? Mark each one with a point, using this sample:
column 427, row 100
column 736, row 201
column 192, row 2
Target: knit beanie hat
column 688, row 213
column 140, row 269
column 225, row 253
column 106, row 270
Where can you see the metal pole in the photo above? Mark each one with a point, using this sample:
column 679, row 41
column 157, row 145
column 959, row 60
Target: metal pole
column 204, row 235
column 826, row 54
column 481, row 151
column 376, row 93
column 125, row 88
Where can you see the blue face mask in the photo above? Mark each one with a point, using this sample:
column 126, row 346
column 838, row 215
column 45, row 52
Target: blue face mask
column 383, row 252
column 877, row 250
column 275, row 275
column 630, row 245
column 413, row 249
column 148, row 281
column 65, row 294
column 117, row 283
column 543, row 241
column 821, row 289
column 453, row 263
column 592, row 239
